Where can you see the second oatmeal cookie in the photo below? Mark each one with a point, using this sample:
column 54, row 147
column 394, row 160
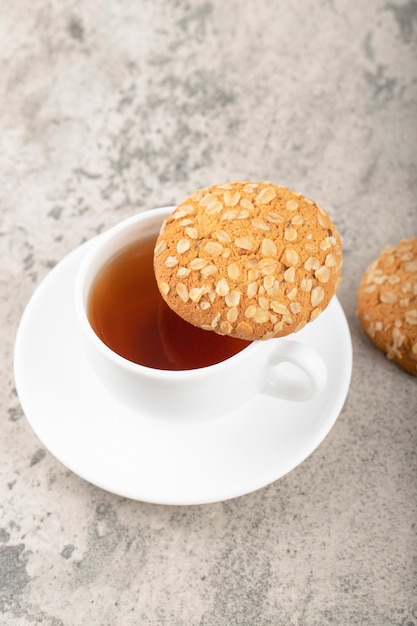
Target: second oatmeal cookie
column 387, row 303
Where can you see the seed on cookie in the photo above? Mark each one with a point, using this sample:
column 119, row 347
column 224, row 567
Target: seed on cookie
column 164, row 287
column 232, row 298
column 191, row 232
column 260, row 224
column 195, row 293
column 269, row 281
column 317, row 296
column 252, row 289
column 312, row 248
column 322, row 274
column 250, row 311
column 198, row 263
column 246, row 204
column 183, row 245
column 261, row 316
column 312, row 263
column 213, row 248
column 306, row 284
column 244, row 243
column 291, row 205
column 160, row 247
column 315, row 313
column 171, row 261
column 297, row 220
column 411, row 317
column 289, row 275
column 290, row 234
column 214, row 207
column 208, row 270
column 182, row 272
column 387, row 297
column 231, row 198
column 280, row 308
column 263, row 303
column 206, row 199
column 267, row 266
column 182, row 291
column 295, row 308
column 274, row 218
column 223, row 236
column 266, row 195
column 185, row 210
column 330, row 260
column 291, row 293
column 222, row 287
column 268, row 247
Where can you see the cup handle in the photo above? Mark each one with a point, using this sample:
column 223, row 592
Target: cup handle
column 295, row 372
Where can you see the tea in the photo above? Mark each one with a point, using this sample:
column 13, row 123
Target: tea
column 130, row 316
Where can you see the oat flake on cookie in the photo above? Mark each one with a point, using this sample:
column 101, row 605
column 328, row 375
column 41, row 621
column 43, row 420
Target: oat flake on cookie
column 252, row 260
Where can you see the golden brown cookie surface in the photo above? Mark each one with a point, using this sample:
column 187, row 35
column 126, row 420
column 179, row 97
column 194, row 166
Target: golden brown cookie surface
column 250, row 260
column 387, row 303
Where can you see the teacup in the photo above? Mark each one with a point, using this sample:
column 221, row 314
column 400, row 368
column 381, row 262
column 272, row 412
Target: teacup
column 284, row 368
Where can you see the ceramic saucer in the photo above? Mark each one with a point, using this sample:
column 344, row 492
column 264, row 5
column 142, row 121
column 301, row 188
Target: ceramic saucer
column 131, row 454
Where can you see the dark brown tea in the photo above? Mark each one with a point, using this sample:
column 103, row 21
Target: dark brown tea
column 130, row 316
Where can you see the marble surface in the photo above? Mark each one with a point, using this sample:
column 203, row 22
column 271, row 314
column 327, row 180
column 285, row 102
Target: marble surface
column 110, row 108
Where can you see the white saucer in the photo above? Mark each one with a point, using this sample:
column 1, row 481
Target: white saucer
column 153, row 460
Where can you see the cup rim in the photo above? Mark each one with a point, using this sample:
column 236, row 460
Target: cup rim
column 110, row 355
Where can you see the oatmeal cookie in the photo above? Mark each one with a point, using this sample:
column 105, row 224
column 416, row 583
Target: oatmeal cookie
column 387, row 303
column 250, row 260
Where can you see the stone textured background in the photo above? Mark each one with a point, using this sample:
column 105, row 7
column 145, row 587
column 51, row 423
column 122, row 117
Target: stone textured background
column 108, row 108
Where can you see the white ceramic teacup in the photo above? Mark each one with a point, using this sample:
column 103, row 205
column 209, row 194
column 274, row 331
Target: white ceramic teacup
column 261, row 367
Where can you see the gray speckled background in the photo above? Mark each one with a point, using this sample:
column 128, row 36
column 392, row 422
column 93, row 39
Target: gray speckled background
column 110, row 108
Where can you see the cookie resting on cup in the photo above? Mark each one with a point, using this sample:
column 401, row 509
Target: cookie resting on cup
column 252, row 260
